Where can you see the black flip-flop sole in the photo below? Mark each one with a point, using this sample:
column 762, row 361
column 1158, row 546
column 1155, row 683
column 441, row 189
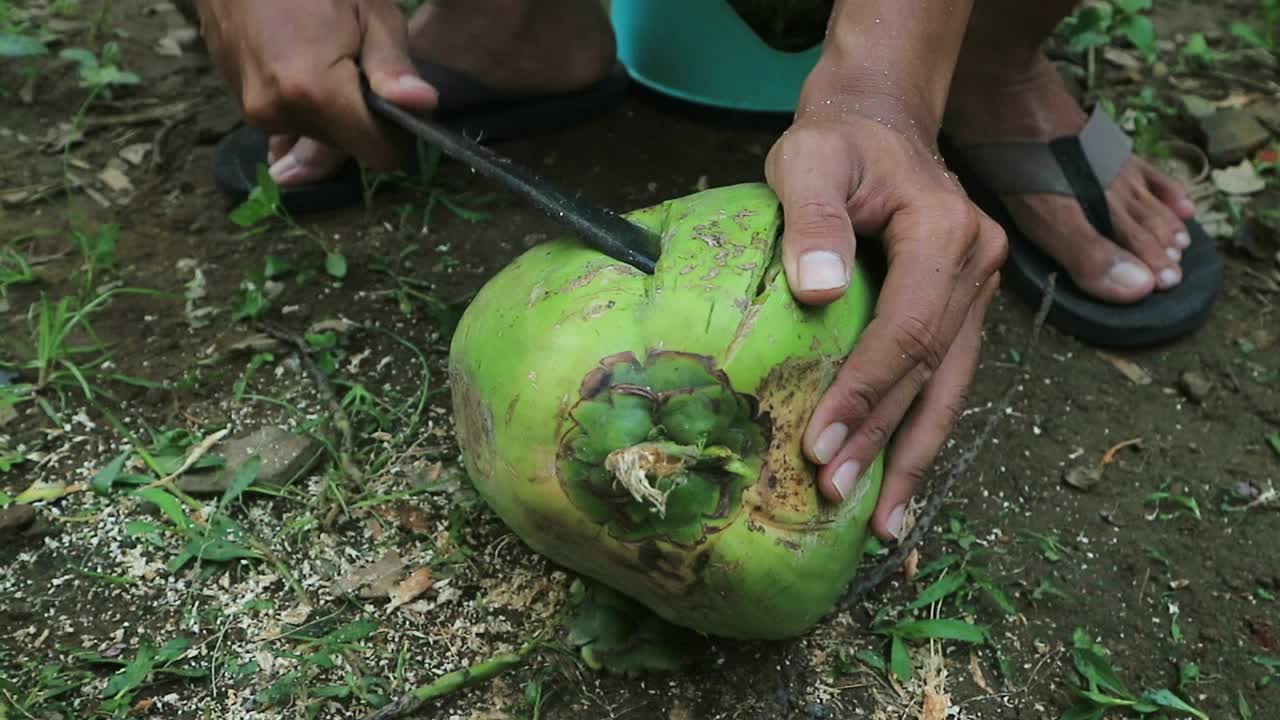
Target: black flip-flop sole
column 490, row 117
column 1159, row 318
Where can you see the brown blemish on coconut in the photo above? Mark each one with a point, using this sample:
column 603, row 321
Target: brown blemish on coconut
column 788, row 495
column 474, row 422
column 511, row 410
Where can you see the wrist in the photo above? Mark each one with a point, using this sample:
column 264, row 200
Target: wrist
column 838, row 88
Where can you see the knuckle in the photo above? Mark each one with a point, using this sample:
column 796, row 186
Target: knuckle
column 877, row 434
column 815, row 218
column 858, row 399
column 961, row 216
column 914, row 475
column 259, row 107
column 918, row 342
column 294, row 85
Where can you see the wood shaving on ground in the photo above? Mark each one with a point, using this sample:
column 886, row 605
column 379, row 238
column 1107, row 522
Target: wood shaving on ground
column 1128, row 368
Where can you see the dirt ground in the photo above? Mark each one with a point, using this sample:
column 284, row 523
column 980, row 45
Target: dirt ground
column 1168, row 557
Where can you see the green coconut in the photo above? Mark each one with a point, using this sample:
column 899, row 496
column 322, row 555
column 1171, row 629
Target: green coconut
column 644, row 430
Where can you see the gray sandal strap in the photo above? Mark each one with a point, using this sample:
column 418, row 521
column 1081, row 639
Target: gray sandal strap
column 1031, row 167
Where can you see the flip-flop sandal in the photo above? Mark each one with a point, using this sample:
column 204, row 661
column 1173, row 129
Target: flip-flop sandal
column 1082, row 166
column 465, row 104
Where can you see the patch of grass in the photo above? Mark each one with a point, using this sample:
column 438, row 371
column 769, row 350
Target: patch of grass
column 14, row 270
column 100, row 72
column 1096, row 25
column 1183, row 504
column 263, row 206
column 1264, row 35
column 1103, row 693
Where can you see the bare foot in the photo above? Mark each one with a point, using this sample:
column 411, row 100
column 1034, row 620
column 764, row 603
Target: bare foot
column 550, row 48
column 1147, row 207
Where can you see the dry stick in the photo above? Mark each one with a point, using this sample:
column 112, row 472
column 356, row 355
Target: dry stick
column 336, row 411
column 872, row 578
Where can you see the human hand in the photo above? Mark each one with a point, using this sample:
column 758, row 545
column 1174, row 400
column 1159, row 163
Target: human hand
column 841, row 176
column 292, row 66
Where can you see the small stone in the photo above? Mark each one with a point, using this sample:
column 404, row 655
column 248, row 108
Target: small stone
column 1232, row 135
column 1195, row 386
column 16, row 518
column 1083, row 477
column 284, row 455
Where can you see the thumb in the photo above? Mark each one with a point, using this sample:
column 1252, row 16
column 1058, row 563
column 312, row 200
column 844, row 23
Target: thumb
column 812, row 182
column 384, row 56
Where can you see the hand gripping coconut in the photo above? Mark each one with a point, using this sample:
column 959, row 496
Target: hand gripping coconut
column 644, row 430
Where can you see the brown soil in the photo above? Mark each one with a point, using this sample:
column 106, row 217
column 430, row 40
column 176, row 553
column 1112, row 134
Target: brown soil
column 1161, row 588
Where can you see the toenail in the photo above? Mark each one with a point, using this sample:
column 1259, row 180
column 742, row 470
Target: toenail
column 1174, row 254
column 821, row 270
column 284, row 167
column 1169, row 277
column 412, row 82
column 1129, row 275
column 1182, row 240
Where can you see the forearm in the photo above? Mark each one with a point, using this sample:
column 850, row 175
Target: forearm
column 890, row 60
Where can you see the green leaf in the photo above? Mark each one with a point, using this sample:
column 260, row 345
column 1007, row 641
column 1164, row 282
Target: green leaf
column 1140, row 31
column 276, row 266
column 172, row 650
column 244, row 477
column 1165, row 698
column 900, row 659
column 871, row 659
column 252, row 211
column 941, row 588
column 1242, row 707
column 270, row 192
column 1099, row 698
column 354, row 631
column 133, row 675
column 106, row 477
column 86, row 59
column 168, row 504
column 1274, row 441
column 941, row 629
column 1198, row 48
column 219, row 550
column 335, row 263
column 135, row 528
column 16, row 46
column 997, row 595
column 1267, row 662
column 1133, row 7
column 1249, row 34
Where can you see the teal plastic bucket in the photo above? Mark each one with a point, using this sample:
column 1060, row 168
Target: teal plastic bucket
column 702, row 51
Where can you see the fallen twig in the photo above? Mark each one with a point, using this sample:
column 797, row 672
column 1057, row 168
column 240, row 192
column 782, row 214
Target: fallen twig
column 336, row 412
column 451, row 682
column 940, row 489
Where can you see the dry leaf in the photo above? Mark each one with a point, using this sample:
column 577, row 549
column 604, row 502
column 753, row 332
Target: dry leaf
column 934, row 706
column 975, row 669
column 297, row 615
column 1121, row 58
column 1083, row 477
column 115, row 179
column 1242, row 179
column 910, row 565
column 1128, row 368
column 382, row 574
column 256, row 343
column 413, row 519
column 134, row 153
column 1237, row 99
column 418, row 582
column 337, row 325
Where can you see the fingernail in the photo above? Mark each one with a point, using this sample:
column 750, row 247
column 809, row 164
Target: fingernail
column 821, row 270
column 281, row 169
column 1174, row 254
column 412, row 82
column 894, row 523
column 844, row 478
column 1169, row 277
column 829, row 442
column 1186, row 207
column 1182, row 240
column 1129, row 275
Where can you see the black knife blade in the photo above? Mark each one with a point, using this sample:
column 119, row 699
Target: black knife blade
column 602, row 229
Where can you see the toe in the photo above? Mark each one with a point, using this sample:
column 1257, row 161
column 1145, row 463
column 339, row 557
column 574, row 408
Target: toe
column 306, row 161
column 1154, row 215
column 1169, row 191
column 1150, row 250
